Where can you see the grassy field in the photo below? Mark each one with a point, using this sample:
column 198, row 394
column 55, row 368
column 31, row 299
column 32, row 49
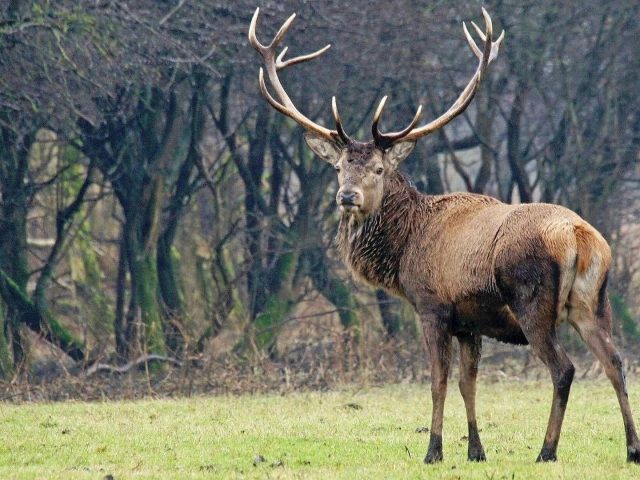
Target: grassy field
column 346, row 434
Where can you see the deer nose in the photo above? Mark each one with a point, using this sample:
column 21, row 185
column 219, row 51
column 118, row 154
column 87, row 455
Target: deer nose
column 348, row 198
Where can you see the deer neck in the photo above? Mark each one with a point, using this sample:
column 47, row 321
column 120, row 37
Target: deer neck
column 373, row 247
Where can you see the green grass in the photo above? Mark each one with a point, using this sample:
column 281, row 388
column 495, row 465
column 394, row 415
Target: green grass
column 347, row 434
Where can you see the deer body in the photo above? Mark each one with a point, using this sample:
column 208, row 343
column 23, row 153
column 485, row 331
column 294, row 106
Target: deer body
column 472, row 253
column 470, row 265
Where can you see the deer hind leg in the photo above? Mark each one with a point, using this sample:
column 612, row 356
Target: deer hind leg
column 596, row 332
column 562, row 370
column 438, row 343
column 536, row 308
column 470, row 352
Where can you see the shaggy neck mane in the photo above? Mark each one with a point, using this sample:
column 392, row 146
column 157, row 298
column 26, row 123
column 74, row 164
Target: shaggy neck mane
column 373, row 246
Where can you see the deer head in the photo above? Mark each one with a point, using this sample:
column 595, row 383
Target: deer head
column 363, row 166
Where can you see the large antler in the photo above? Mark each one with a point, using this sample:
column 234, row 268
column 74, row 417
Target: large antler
column 490, row 52
column 273, row 64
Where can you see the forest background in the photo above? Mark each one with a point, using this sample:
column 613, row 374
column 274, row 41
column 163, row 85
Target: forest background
column 156, row 213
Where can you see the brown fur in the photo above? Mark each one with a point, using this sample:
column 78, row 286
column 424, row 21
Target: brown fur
column 455, row 246
column 374, row 247
column 589, row 240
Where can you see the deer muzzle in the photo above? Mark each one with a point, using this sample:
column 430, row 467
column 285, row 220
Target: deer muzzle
column 349, row 199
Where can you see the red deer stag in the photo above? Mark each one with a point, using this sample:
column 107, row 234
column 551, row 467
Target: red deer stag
column 469, row 264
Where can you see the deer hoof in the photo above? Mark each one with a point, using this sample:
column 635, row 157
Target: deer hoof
column 434, row 452
column 547, row 456
column 477, row 456
column 633, row 454
column 433, row 457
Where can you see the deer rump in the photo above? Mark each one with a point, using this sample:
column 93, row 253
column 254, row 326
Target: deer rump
column 489, row 261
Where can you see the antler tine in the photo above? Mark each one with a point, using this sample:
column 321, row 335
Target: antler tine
column 471, row 41
column 385, row 140
column 488, row 44
column 282, row 32
column 416, row 118
column 272, row 64
column 378, row 112
column 488, row 22
column 280, row 63
column 494, row 48
column 253, row 39
column 336, row 116
column 478, row 30
column 281, row 56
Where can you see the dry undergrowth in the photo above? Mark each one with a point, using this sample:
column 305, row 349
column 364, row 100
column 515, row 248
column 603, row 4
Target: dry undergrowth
column 330, row 364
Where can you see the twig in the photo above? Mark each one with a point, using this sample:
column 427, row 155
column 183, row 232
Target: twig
column 320, row 314
column 172, row 12
column 99, row 367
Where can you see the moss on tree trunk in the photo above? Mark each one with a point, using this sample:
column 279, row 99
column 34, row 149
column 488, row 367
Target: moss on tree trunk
column 42, row 321
column 146, row 282
column 170, row 292
column 278, row 304
column 6, row 360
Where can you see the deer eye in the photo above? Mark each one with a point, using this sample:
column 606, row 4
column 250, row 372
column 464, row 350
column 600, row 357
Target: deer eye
column 337, row 167
column 379, row 171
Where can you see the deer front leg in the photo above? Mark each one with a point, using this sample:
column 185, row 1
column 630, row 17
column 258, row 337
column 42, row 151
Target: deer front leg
column 438, row 344
column 470, row 351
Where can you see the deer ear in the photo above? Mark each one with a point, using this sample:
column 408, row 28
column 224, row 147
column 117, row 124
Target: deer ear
column 325, row 149
column 398, row 152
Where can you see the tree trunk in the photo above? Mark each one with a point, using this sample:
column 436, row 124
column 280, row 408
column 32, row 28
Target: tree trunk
column 514, row 153
column 144, row 332
column 14, row 270
column 6, row 359
column 170, row 294
column 334, row 290
column 278, row 302
column 391, row 321
column 484, row 125
column 13, row 267
column 254, row 214
column 41, row 322
column 120, row 325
